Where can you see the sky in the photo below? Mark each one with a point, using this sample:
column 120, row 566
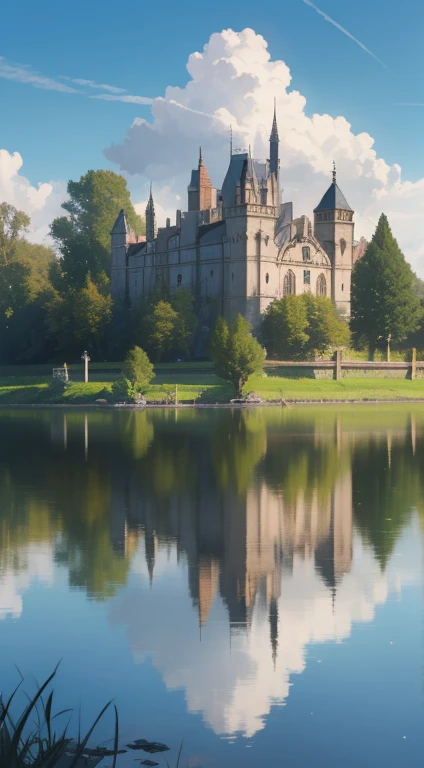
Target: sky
column 132, row 88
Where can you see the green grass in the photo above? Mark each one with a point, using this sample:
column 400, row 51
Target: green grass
column 205, row 387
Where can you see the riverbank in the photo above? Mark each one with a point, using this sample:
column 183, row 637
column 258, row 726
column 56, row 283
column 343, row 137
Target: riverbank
column 206, row 389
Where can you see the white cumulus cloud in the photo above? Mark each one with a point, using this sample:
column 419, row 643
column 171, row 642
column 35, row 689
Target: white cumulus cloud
column 233, row 82
column 42, row 202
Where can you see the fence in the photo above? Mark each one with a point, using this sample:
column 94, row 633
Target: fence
column 339, row 368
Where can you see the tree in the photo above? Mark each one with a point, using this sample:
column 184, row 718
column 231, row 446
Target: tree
column 92, row 311
column 24, row 288
column 383, row 300
column 182, row 301
column 138, row 369
column 162, row 329
column 325, row 329
column 83, row 236
column 235, row 353
column 285, row 328
column 13, row 225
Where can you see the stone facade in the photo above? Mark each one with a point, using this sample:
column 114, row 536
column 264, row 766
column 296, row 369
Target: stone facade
column 239, row 248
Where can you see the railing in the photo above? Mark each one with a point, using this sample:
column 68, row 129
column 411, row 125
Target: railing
column 338, row 365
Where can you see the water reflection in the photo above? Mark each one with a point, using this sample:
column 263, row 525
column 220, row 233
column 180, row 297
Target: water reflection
column 225, row 543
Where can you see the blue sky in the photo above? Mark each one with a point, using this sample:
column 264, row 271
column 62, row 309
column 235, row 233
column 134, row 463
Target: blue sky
column 361, row 63
column 143, row 47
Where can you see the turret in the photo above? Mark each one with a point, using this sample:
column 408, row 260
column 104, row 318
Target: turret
column 120, row 236
column 200, row 192
column 151, row 229
column 334, row 230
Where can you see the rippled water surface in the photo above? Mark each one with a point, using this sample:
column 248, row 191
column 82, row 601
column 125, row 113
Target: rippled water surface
column 250, row 582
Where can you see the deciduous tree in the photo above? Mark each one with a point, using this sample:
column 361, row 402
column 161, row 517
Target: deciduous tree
column 83, row 236
column 285, row 328
column 235, row 353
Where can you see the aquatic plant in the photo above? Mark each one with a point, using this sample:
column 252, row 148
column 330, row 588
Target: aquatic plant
column 32, row 740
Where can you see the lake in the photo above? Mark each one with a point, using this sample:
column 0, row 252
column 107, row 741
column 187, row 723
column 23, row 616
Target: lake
column 248, row 582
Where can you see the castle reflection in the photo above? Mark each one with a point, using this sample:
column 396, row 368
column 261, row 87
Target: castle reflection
column 283, row 524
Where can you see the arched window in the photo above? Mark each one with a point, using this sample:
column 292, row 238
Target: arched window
column 343, row 245
column 289, row 285
column 321, row 286
column 211, row 272
column 306, row 253
column 267, row 278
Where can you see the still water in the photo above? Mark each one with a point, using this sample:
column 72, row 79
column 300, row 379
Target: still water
column 247, row 582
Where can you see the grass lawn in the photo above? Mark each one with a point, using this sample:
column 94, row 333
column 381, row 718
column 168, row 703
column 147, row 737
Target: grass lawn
column 204, row 387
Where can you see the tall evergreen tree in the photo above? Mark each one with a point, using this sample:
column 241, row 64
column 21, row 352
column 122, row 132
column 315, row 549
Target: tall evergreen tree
column 384, row 303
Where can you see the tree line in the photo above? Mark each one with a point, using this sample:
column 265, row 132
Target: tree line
column 56, row 301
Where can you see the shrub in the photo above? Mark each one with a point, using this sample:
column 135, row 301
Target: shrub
column 138, row 369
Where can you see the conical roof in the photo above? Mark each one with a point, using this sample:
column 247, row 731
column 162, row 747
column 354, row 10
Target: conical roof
column 120, row 226
column 333, row 199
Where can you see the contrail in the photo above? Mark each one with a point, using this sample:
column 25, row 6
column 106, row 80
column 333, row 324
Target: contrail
column 409, row 104
column 345, row 32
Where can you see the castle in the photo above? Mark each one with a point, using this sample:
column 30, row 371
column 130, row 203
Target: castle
column 238, row 248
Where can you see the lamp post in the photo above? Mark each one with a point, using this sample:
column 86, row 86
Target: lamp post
column 389, row 338
column 86, row 359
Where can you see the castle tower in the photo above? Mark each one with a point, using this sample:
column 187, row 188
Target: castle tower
column 120, row 236
column 200, row 192
column 151, row 229
column 333, row 228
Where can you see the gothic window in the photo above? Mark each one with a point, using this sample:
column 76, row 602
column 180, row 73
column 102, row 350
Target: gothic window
column 267, row 278
column 306, row 253
column 179, row 279
column 342, row 286
column 306, row 276
column 232, row 276
column 343, row 245
column 289, row 284
column 321, row 286
column 211, row 272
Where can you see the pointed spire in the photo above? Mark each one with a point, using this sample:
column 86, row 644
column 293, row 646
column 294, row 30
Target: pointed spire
column 150, row 218
column 273, row 626
column 274, row 130
column 200, row 157
column 334, row 172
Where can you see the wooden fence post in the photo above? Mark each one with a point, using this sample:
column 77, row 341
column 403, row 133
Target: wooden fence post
column 414, row 365
column 338, row 370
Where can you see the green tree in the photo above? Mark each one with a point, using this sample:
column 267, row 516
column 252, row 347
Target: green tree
column 138, row 369
column 325, row 329
column 162, row 329
column 285, row 328
column 383, row 299
column 182, row 301
column 83, row 236
column 235, row 353
column 13, row 225
column 92, row 310
column 24, row 288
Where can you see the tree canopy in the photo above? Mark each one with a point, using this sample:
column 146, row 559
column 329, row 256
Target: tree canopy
column 83, row 236
column 384, row 300
column 235, row 353
column 302, row 326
